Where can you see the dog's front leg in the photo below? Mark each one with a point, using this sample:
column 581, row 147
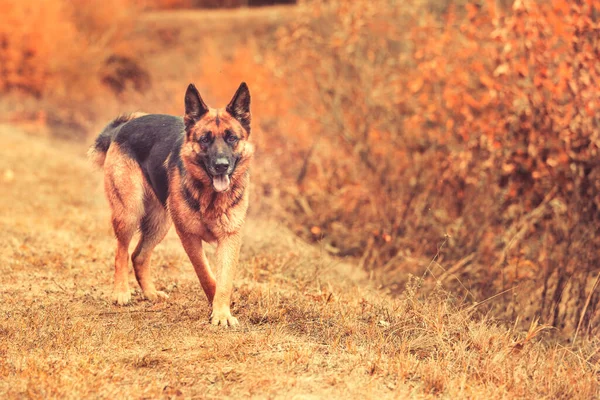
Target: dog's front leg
column 193, row 247
column 228, row 250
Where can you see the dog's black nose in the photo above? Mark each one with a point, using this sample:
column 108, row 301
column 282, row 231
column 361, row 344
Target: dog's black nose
column 221, row 165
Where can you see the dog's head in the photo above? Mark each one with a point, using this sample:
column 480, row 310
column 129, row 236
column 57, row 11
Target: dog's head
column 216, row 141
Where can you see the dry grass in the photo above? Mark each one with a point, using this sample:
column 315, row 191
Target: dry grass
column 311, row 326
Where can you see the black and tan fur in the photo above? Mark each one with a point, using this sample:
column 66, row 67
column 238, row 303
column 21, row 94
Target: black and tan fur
column 193, row 171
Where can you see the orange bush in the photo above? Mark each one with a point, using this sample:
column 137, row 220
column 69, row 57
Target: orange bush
column 44, row 40
column 57, row 51
column 26, row 52
column 477, row 129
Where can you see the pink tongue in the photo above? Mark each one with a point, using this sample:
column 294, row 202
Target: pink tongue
column 221, row 183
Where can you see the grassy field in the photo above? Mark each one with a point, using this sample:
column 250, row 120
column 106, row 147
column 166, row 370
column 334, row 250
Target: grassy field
column 400, row 242
column 311, row 326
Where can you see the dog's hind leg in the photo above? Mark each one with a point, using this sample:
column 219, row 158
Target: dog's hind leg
column 154, row 226
column 124, row 186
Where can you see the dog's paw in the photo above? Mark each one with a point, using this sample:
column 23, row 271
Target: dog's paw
column 121, row 298
column 156, row 295
column 223, row 318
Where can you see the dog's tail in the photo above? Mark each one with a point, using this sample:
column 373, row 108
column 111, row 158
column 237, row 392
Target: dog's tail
column 97, row 153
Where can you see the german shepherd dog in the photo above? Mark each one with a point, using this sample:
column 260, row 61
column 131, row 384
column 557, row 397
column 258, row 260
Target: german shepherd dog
column 193, row 171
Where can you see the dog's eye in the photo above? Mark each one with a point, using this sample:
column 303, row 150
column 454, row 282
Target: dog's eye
column 232, row 139
column 205, row 139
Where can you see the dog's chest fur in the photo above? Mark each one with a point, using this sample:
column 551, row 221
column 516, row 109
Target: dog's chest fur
column 206, row 213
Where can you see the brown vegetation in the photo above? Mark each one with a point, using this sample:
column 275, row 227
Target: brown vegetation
column 477, row 129
column 457, row 143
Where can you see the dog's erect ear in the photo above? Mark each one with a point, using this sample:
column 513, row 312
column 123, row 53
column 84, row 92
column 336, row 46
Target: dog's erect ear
column 239, row 106
column 195, row 107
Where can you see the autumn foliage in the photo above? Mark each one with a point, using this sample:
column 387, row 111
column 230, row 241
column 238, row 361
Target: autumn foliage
column 472, row 135
column 59, row 53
